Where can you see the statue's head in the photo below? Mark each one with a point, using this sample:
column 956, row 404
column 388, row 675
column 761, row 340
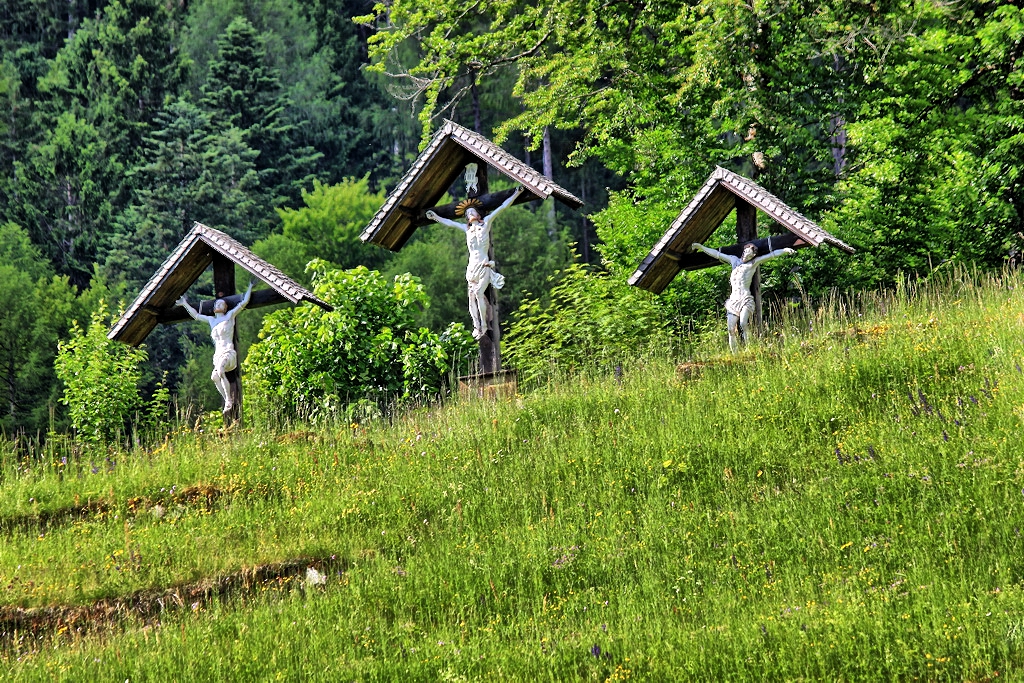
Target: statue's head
column 220, row 306
column 749, row 251
column 473, row 216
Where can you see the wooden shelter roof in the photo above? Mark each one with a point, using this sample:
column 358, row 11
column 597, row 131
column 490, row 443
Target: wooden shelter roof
column 156, row 302
column 433, row 172
column 702, row 217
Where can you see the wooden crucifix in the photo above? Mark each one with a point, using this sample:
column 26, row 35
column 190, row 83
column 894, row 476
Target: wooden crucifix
column 681, row 249
column 160, row 301
column 482, row 277
column 746, row 233
column 490, row 342
column 226, row 374
column 414, row 203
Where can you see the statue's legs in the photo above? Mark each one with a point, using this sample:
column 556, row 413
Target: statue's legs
column 739, row 328
column 734, row 332
column 224, row 363
column 745, row 315
column 478, row 307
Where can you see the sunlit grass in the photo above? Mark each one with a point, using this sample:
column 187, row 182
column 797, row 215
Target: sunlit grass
column 844, row 500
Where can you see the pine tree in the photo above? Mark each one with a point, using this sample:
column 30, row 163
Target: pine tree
column 117, row 71
column 190, row 173
column 63, row 194
column 368, row 132
column 96, row 101
column 242, row 91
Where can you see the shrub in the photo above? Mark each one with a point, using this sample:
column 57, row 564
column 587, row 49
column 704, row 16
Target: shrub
column 101, row 379
column 309, row 363
column 592, row 319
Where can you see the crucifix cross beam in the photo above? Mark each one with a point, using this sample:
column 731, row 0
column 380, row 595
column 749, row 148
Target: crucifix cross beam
column 259, row 298
column 696, row 260
column 488, row 202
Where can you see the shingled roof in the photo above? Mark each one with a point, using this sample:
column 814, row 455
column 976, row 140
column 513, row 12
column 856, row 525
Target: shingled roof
column 156, row 302
column 437, row 166
column 706, row 212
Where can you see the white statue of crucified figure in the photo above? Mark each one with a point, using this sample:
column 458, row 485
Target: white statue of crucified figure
column 222, row 330
column 740, row 304
column 480, row 271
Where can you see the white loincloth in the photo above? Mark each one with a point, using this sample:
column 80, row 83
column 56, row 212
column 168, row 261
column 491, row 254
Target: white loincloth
column 226, row 361
column 737, row 304
column 484, row 272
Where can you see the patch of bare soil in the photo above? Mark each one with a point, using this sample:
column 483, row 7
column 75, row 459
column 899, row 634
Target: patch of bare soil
column 18, row 624
column 47, row 519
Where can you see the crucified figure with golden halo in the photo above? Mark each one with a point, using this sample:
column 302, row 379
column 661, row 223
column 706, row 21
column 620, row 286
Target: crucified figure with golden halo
column 480, row 271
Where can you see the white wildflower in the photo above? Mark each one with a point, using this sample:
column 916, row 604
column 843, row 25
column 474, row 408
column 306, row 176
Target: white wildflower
column 315, row 578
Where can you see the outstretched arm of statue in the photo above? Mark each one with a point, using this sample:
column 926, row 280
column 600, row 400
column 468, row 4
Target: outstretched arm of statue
column 445, row 221
column 774, row 254
column 715, row 254
column 504, row 205
column 243, row 303
column 183, row 302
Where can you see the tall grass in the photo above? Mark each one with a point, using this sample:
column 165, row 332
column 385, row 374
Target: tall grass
column 844, row 500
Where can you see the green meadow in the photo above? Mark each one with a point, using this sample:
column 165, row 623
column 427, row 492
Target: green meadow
column 842, row 501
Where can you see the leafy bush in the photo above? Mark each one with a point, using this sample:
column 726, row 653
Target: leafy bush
column 101, row 378
column 592, row 319
column 309, row 363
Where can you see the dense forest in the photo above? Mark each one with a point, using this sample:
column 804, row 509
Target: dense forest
column 897, row 125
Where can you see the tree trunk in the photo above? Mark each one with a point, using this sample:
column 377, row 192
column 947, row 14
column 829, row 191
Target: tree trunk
column 584, row 232
column 548, row 169
column 477, row 125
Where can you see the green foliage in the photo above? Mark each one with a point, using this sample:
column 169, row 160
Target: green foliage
column 94, row 104
column 116, row 71
column 189, row 172
column 101, row 379
column 897, row 124
column 36, row 23
column 437, row 256
column 241, row 87
column 64, row 188
column 310, row 363
column 196, row 394
column 353, row 119
column 844, row 504
column 105, row 159
column 242, row 91
column 935, row 155
column 328, row 100
column 327, row 227
column 37, row 310
column 593, row 321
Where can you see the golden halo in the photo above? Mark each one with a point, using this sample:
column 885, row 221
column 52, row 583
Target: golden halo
column 464, row 205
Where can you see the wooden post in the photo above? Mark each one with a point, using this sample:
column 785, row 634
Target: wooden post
column 224, row 286
column 490, row 343
column 746, row 231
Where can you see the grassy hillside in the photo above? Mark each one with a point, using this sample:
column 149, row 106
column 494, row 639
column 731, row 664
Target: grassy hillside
column 844, row 501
